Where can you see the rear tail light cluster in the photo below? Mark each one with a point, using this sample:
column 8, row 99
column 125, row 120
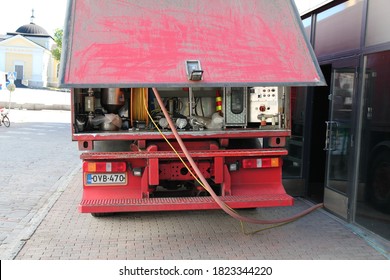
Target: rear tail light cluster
column 260, row 162
column 104, row 166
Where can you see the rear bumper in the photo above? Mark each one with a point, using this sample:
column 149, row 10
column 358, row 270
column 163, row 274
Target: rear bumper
column 239, row 188
column 183, row 203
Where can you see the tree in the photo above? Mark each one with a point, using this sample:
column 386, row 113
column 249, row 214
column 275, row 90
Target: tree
column 58, row 40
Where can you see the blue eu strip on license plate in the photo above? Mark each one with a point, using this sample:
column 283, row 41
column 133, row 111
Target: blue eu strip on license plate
column 106, row 179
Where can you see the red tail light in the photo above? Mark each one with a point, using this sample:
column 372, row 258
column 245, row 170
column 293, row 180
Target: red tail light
column 104, row 166
column 260, row 162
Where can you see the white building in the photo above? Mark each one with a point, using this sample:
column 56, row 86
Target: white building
column 27, row 51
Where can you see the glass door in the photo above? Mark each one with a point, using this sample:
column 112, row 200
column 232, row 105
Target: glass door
column 339, row 137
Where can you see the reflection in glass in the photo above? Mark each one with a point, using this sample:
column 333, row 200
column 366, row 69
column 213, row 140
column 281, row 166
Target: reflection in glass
column 307, row 26
column 378, row 22
column 292, row 164
column 339, row 129
column 373, row 197
column 339, row 29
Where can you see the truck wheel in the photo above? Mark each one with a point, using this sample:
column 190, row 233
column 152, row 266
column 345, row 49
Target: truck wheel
column 98, row 215
column 379, row 182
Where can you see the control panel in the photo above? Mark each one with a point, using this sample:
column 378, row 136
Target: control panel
column 264, row 103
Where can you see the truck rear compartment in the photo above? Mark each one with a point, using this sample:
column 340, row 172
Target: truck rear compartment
column 156, row 85
column 239, row 155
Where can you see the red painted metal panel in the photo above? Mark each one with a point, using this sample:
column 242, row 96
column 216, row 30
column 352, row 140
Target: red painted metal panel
column 218, row 169
column 134, row 43
column 195, row 154
column 176, row 170
column 154, row 177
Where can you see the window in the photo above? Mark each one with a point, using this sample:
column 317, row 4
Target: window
column 338, row 29
column 373, row 199
column 378, row 22
column 307, row 27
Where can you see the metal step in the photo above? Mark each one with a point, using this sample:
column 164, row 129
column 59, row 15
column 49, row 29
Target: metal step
column 183, row 203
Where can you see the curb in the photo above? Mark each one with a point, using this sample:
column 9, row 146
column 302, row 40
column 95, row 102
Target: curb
column 35, row 106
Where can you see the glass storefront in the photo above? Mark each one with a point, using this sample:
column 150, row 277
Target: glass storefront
column 354, row 110
column 373, row 199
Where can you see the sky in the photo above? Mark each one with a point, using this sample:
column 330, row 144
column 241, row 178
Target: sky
column 49, row 14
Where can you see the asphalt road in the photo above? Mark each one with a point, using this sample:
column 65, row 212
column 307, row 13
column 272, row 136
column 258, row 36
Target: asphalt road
column 37, row 158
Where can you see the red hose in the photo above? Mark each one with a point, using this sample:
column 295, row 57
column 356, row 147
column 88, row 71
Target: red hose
column 222, row 204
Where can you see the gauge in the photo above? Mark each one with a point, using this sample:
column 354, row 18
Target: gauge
column 181, row 123
column 163, row 123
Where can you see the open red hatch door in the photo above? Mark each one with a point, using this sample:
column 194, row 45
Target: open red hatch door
column 132, row 43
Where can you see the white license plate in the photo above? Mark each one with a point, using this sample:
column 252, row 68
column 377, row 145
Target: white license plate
column 106, row 179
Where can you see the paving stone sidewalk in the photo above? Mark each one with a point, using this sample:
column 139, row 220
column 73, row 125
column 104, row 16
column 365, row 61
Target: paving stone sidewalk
column 66, row 234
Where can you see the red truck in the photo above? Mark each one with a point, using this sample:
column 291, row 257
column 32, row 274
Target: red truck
column 183, row 105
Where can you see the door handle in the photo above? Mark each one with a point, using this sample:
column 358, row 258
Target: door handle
column 329, row 136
